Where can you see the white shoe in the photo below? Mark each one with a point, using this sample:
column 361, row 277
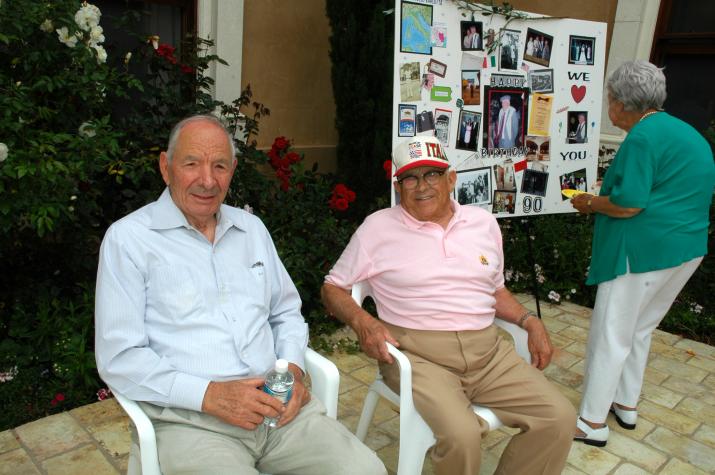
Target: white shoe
column 596, row 437
column 626, row 418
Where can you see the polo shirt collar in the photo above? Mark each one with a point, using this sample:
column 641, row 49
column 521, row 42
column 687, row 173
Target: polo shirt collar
column 166, row 215
column 413, row 223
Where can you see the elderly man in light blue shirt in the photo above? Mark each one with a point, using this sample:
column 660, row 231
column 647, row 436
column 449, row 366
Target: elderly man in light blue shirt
column 193, row 307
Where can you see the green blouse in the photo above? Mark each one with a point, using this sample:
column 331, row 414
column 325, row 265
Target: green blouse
column 665, row 167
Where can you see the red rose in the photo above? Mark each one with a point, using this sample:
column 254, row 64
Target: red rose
column 350, row 196
column 185, row 68
column 285, row 185
column 281, row 143
column 60, row 397
column 340, row 190
column 292, row 157
column 341, row 204
column 387, row 166
column 166, row 51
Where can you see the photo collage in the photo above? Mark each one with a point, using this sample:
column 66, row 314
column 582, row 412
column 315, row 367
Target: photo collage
column 516, row 106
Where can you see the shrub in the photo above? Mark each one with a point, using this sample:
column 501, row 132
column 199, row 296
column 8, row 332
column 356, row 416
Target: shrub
column 80, row 136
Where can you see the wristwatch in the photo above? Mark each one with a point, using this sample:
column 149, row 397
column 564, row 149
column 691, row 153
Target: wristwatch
column 525, row 317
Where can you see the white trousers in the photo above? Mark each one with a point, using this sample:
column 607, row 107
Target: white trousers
column 628, row 309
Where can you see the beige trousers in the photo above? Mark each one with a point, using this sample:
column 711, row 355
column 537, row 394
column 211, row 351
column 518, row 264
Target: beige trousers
column 191, row 442
column 452, row 370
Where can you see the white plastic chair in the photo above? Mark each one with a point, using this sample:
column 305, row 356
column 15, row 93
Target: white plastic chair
column 324, row 379
column 415, row 435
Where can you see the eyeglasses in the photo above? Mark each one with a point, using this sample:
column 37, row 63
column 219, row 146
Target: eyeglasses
column 431, row 178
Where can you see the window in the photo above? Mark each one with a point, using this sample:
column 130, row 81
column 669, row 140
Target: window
column 684, row 43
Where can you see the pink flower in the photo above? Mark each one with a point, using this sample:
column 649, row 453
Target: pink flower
column 103, row 394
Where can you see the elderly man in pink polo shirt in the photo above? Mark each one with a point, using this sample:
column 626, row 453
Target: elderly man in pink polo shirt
column 436, row 269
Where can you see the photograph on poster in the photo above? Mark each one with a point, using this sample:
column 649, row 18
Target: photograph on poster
column 541, row 80
column 439, row 35
column 442, row 121
column 468, row 132
column 573, row 181
column 506, row 115
column 410, row 82
column 504, row 178
column 537, row 148
column 539, row 166
column 489, row 38
column 437, row 68
column 416, row 28
column 406, row 125
column 538, row 47
column 534, row 182
column 581, row 49
column 509, row 50
column 427, row 81
column 504, row 201
column 425, row 121
column 474, row 186
column 470, row 87
column 471, row 34
column 577, row 127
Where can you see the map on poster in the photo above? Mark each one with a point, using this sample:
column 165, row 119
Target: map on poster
column 416, row 28
column 517, row 106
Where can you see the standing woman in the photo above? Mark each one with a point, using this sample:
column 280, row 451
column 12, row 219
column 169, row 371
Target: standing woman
column 650, row 235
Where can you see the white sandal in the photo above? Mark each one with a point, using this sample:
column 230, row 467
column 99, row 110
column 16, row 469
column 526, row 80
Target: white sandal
column 596, row 437
column 626, row 418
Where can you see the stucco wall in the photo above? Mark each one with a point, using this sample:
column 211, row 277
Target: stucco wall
column 286, row 62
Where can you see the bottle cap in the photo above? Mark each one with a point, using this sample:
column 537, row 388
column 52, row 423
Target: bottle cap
column 281, row 365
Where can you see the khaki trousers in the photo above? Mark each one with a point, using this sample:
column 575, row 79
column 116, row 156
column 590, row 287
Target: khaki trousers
column 451, row 370
column 191, row 442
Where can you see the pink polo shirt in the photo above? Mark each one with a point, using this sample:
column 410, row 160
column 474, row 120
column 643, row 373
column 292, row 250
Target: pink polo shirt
column 423, row 276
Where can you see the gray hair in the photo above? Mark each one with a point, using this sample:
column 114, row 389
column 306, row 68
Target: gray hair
column 639, row 85
column 176, row 131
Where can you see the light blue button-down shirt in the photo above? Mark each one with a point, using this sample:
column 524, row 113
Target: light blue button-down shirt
column 174, row 311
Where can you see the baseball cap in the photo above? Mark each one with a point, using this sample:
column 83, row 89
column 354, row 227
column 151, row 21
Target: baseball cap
column 420, row 151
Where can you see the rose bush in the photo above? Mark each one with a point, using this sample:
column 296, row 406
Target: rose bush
column 80, row 136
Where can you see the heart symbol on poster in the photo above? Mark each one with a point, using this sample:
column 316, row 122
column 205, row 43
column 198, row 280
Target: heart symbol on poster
column 578, row 93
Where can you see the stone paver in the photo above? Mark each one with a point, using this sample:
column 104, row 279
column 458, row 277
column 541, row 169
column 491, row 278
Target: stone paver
column 8, row 442
column 84, row 460
column 675, row 434
column 686, row 449
column 52, row 435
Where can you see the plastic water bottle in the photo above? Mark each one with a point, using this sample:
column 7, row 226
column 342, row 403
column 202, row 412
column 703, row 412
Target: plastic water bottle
column 279, row 384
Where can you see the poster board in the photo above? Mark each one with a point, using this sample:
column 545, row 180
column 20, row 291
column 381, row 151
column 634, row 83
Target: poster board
column 520, row 122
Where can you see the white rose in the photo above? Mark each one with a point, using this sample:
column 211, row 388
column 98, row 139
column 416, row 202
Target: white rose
column 87, row 17
column 47, row 26
column 96, row 36
column 101, row 54
column 66, row 38
column 86, row 130
column 127, row 57
column 3, row 152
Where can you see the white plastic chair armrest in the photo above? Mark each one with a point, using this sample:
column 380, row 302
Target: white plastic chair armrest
column 145, row 432
column 406, row 402
column 325, row 380
column 519, row 335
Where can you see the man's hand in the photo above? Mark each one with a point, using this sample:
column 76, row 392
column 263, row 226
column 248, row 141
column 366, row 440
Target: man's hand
column 299, row 398
column 241, row 402
column 539, row 343
column 373, row 335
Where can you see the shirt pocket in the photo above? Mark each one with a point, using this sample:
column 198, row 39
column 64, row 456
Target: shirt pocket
column 173, row 292
column 251, row 289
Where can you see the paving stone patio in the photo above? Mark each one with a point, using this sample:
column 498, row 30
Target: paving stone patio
column 675, row 433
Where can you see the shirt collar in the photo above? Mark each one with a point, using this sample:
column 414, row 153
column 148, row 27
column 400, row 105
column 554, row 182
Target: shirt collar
column 413, row 223
column 166, row 215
